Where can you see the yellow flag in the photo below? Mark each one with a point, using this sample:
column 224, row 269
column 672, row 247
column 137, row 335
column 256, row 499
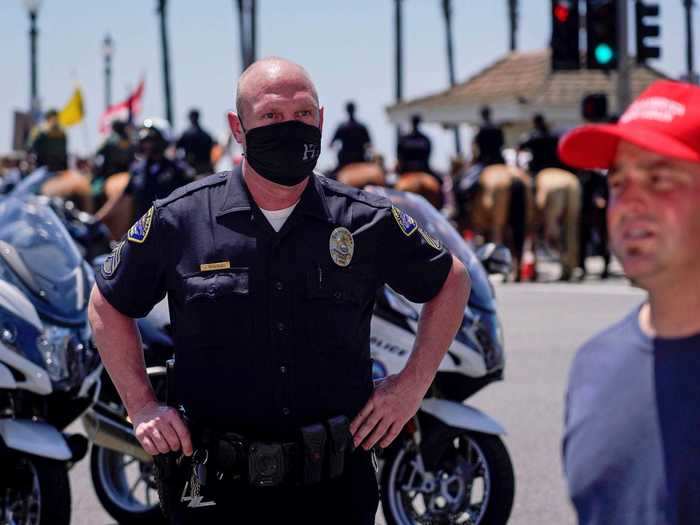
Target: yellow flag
column 73, row 111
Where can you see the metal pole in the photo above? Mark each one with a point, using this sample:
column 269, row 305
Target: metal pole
column 688, row 4
column 399, row 59
column 447, row 11
column 513, row 22
column 162, row 5
column 107, row 50
column 623, row 71
column 33, row 89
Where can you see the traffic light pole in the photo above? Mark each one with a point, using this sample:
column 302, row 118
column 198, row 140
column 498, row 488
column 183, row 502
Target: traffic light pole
column 623, row 70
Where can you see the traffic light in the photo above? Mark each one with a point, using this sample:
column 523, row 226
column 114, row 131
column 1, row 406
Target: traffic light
column 646, row 29
column 594, row 107
column 601, row 34
column 565, row 26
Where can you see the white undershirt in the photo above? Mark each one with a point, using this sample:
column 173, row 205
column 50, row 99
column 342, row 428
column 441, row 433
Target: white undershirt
column 277, row 218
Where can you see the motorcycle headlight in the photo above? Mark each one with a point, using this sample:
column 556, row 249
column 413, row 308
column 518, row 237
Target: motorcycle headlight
column 67, row 357
column 53, row 345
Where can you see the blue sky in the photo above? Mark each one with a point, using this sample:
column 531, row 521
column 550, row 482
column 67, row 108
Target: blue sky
column 347, row 46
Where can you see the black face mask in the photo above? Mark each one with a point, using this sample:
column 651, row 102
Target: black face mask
column 284, row 153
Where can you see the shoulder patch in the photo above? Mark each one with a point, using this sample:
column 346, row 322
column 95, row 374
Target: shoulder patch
column 109, row 266
column 139, row 231
column 432, row 241
column 405, row 221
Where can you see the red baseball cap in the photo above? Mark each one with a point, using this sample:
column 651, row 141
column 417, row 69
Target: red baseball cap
column 664, row 119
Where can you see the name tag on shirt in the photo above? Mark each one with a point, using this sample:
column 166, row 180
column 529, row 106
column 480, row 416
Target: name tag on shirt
column 225, row 265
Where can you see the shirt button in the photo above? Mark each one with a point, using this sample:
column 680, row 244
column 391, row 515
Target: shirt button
column 285, row 411
column 338, row 295
column 279, row 286
column 283, row 369
column 281, row 327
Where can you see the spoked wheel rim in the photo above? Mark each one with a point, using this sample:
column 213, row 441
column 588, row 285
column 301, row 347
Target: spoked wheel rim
column 128, row 482
column 457, row 492
column 22, row 506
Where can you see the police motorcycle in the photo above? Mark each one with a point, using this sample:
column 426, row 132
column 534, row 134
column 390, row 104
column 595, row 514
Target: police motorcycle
column 449, row 464
column 49, row 370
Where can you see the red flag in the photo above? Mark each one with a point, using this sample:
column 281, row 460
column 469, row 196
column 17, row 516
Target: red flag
column 125, row 110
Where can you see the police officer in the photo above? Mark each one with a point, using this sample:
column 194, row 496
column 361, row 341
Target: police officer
column 196, row 145
column 488, row 141
column 154, row 175
column 542, row 145
column 271, row 273
column 413, row 149
column 354, row 139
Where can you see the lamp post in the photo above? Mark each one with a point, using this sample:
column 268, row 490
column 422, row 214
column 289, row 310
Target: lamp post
column 33, row 9
column 107, row 52
column 162, row 8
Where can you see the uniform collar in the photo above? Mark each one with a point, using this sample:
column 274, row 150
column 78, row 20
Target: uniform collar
column 238, row 197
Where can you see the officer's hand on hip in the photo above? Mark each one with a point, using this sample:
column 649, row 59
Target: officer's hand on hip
column 160, row 430
column 392, row 404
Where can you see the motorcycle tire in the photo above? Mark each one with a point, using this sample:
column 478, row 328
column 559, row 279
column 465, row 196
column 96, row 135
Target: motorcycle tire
column 496, row 459
column 50, row 479
column 123, row 512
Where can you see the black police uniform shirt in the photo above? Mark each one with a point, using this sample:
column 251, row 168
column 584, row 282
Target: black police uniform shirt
column 155, row 179
column 271, row 328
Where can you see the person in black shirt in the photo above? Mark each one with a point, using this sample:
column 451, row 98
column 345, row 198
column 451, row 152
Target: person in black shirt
column 114, row 156
column 271, row 273
column 542, row 145
column 196, row 145
column 50, row 145
column 413, row 149
column 354, row 139
column 488, row 141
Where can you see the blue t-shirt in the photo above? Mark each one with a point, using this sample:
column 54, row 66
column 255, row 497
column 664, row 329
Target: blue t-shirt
column 632, row 441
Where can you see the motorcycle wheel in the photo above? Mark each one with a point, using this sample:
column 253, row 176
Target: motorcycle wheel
column 38, row 493
column 473, row 484
column 125, row 487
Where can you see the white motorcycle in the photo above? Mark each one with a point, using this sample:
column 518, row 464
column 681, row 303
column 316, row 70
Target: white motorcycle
column 49, row 371
column 449, row 465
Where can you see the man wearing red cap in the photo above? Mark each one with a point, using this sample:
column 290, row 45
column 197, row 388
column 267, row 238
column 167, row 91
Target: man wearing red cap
column 632, row 436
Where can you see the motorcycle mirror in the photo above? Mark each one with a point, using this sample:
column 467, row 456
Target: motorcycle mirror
column 495, row 258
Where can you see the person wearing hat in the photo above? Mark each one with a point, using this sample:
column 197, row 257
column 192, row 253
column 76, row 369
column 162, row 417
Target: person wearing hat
column 631, row 442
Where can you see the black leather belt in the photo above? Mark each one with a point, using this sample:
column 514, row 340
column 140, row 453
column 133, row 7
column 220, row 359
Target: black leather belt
column 319, row 454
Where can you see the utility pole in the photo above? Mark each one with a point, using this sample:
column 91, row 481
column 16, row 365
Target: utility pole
column 513, row 24
column 399, row 58
column 447, row 11
column 688, row 4
column 162, row 7
column 623, row 70
column 247, row 31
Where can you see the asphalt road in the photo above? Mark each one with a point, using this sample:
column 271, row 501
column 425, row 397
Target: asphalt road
column 544, row 324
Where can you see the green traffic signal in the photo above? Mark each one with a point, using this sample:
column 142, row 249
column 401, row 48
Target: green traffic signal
column 603, row 54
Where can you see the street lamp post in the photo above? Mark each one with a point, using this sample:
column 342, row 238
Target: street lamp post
column 398, row 28
column 162, row 7
column 107, row 52
column 33, row 9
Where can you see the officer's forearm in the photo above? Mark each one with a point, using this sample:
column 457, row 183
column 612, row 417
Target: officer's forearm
column 439, row 321
column 119, row 343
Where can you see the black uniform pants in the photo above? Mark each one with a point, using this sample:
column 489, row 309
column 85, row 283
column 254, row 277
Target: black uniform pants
column 351, row 499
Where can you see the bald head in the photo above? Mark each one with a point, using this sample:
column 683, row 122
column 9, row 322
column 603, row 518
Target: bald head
column 271, row 78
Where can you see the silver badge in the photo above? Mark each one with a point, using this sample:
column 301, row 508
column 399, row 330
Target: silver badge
column 342, row 246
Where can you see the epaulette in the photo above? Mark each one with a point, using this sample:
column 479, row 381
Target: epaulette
column 365, row 197
column 188, row 189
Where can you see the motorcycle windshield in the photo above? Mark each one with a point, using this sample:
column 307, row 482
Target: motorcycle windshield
column 35, row 245
column 436, row 225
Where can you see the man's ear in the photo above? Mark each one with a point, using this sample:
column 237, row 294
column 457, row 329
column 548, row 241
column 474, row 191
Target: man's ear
column 234, row 122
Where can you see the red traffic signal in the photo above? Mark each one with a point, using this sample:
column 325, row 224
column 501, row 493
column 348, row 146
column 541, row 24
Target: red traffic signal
column 562, row 11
